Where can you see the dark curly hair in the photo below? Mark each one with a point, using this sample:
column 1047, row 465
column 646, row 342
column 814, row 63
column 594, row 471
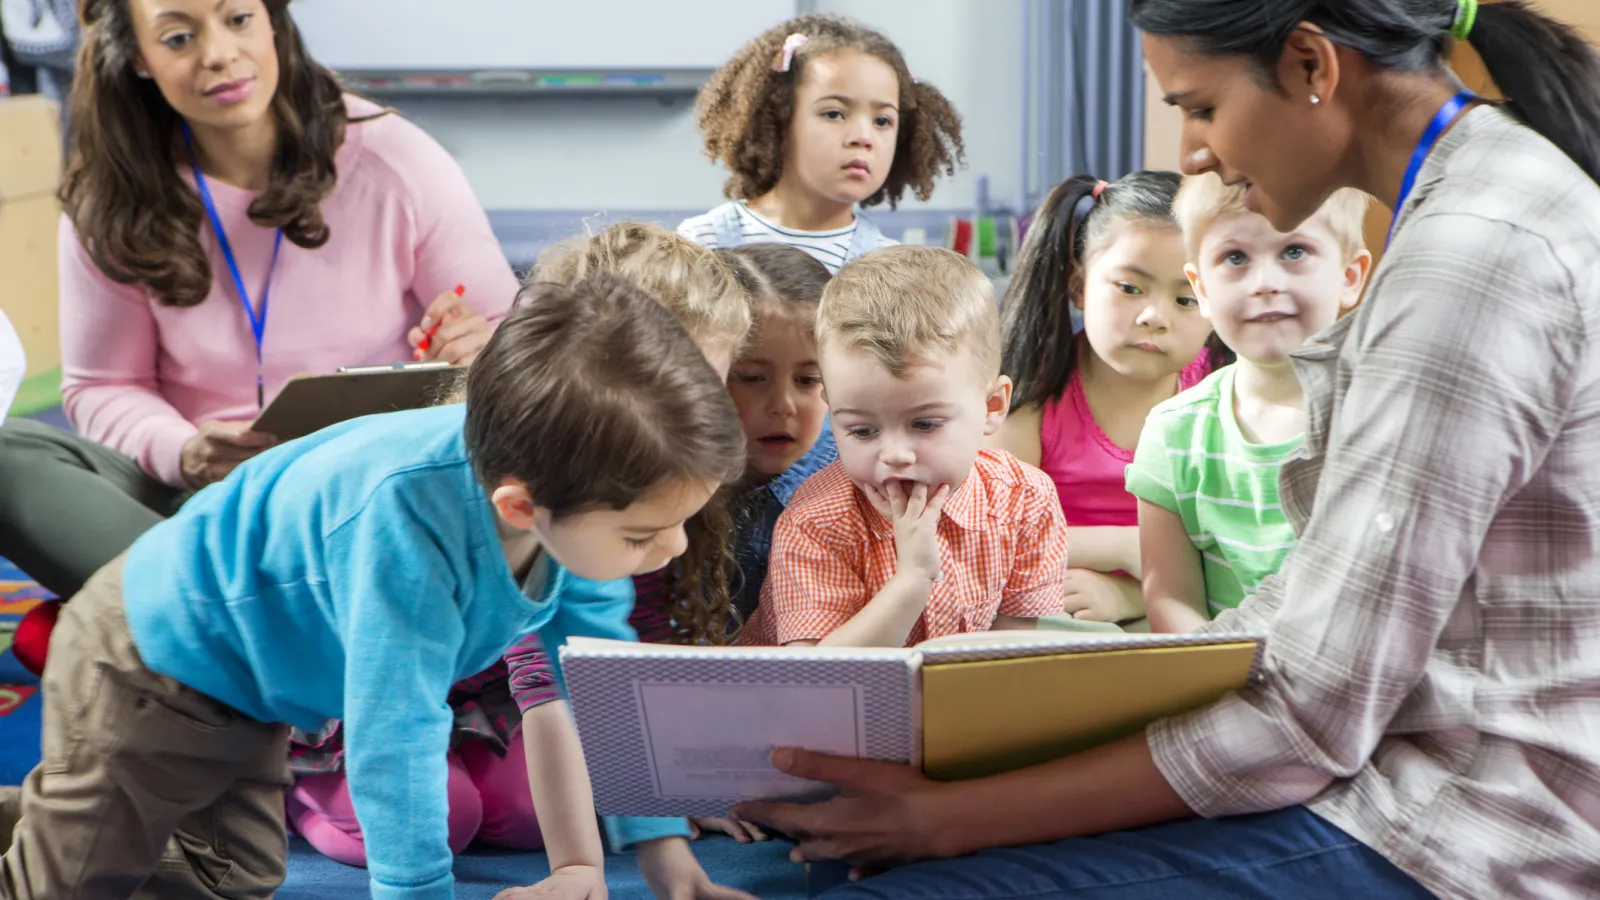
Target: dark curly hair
column 136, row 217
column 699, row 595
column 744, row 111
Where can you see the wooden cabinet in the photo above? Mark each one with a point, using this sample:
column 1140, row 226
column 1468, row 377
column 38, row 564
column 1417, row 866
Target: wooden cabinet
column 30, row 169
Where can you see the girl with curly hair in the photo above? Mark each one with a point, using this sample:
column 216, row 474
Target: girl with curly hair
column 813, row 118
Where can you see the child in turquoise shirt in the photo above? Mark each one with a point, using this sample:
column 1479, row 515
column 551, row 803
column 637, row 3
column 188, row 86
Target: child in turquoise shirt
column 358, row 573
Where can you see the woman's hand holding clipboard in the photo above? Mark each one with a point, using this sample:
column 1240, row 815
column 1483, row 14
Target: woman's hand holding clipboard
column 309, row 403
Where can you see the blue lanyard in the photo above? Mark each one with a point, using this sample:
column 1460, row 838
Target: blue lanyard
column 1441, row 121
column 258, row 319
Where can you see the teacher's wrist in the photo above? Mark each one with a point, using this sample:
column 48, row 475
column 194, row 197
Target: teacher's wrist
column 163, row 457
column 952, row 813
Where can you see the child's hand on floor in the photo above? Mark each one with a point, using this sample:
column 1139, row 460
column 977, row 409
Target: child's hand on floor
column 916, row 524
column 1099, row 597
column 669, row 867
column 738, row 829
column 565, row 883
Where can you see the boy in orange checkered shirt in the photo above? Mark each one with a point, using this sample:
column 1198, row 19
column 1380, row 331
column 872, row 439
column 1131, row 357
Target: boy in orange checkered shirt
column 916, row 532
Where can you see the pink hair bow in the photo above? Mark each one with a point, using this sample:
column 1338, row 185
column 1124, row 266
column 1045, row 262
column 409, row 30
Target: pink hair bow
column 786, row 58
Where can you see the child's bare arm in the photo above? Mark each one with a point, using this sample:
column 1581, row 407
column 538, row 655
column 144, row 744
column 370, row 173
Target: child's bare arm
column 1106, row 548
column 887, row 619
column 1174, row 580
column 559, row 782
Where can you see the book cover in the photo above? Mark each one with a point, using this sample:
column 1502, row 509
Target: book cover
column 995, row 645
column 987, row 714
column 687, row 731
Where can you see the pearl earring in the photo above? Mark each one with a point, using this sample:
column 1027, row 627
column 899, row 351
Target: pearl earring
column 1316, row 100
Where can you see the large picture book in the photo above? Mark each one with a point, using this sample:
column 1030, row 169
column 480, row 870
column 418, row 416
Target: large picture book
column 672, row 730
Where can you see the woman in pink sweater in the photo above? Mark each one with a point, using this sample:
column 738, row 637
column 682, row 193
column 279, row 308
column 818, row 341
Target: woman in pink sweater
column 232, row 219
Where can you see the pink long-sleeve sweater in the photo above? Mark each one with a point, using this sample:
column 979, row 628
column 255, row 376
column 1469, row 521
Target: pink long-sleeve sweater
column 405, row 227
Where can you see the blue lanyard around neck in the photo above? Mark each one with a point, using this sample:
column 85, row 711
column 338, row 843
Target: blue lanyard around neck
column 258, row 318
column 1441, row 120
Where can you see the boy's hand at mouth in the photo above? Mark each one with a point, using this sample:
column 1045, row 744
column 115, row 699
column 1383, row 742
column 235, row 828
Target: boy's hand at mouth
column 914, row 509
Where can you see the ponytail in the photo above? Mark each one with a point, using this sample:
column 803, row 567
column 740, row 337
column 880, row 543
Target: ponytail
column 1218, row 354
column 1549, row 74
column 1036, row 339
column 1038, row 348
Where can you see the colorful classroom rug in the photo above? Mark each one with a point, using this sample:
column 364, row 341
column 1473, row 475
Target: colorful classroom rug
column 19, row 690
column 18, row 594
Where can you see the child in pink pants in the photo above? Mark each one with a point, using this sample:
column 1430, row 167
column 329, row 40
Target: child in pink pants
column 489, row 798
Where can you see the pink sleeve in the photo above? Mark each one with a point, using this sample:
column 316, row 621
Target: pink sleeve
column 652, row 614
column 530, row 669
column 109, row 353
column 456, row 244
column 531, row 677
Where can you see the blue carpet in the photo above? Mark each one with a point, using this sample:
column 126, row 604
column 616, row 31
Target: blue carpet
column 761, row 869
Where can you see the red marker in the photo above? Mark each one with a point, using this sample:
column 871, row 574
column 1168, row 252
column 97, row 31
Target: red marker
column 427, row 339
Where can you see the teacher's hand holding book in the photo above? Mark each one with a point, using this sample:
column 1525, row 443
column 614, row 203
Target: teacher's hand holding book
column 885, row 814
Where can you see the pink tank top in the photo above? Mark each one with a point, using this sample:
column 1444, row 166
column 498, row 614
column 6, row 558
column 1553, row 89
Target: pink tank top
column 1086, row 466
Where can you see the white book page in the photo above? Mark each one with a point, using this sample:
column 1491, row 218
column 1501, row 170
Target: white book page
column 715, row 740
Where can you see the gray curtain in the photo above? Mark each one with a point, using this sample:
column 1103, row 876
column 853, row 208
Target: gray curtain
column 1083, row 93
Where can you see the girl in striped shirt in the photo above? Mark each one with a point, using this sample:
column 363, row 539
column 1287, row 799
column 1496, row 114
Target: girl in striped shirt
column 814, row 117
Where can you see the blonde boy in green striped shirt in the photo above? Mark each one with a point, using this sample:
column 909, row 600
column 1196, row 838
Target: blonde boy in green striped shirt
column 1206, row 469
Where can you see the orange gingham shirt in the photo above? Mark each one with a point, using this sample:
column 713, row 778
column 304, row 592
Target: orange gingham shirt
column 1002, row 552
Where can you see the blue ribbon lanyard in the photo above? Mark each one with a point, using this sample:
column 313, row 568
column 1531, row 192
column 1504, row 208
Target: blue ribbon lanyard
column 258, row 319
column 1441, row 120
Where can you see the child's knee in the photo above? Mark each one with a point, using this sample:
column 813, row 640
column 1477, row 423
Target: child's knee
column 509, row 819
column 466, row 806
column 325, row 795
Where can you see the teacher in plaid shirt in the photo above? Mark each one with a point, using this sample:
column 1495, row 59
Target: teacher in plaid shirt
column 1430, row 721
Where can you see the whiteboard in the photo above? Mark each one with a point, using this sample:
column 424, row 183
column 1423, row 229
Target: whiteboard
column 468, row 35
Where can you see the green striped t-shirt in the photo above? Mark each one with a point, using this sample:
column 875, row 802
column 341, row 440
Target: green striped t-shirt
column 1193, row 459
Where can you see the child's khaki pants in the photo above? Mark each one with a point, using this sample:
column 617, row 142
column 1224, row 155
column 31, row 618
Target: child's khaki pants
column 147, row 788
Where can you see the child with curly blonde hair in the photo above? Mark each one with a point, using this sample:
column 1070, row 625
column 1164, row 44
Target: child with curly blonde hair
column 813, row 118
